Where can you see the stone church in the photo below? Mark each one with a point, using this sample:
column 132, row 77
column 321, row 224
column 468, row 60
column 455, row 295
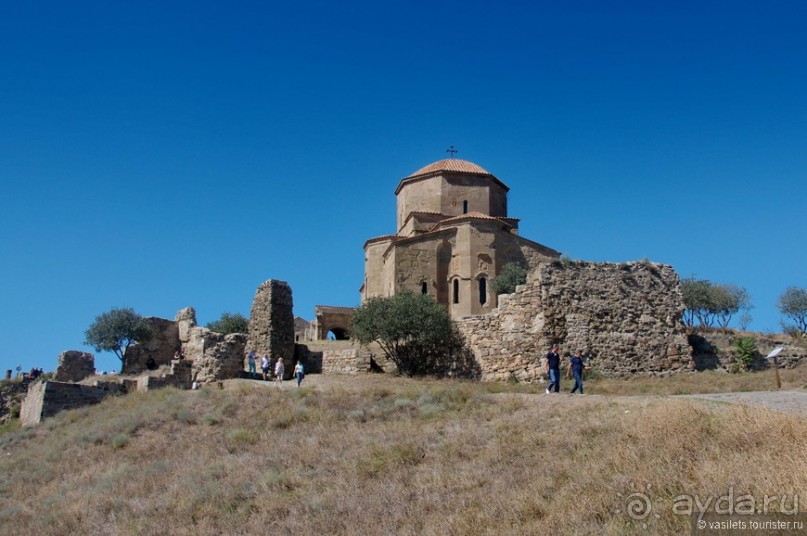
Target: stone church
column 453, row 237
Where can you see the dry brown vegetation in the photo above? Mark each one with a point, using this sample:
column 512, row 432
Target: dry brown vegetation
column 700, row 382
column 384, row 455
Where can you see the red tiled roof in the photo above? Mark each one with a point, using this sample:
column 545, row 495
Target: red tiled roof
column 472, row 215
column 450, row 164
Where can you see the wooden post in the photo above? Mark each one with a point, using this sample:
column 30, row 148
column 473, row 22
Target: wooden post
column 775, row 352
column 776, row 369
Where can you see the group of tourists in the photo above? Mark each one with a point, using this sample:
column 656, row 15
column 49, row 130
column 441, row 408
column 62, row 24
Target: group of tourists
column 279, row 368
column 575, row 367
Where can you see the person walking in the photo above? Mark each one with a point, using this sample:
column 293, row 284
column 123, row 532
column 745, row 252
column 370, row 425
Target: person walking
column 553, row 368
column 298, row 372
column 280, row 370
column 265, row 367
column 577, row 366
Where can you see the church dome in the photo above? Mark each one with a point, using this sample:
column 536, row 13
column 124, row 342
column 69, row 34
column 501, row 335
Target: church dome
column 453, row 165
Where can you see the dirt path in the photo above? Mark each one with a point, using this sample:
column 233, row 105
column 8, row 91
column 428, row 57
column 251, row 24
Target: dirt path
column 788, row 401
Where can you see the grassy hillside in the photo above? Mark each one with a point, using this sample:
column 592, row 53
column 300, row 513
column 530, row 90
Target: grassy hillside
column 382, row 455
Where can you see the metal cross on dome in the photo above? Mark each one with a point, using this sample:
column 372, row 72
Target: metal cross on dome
column 452, row 151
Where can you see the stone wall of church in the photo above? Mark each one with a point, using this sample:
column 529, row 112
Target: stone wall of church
column 417, row 263
column 481, row 194
column 626, row 316
column 419, row 196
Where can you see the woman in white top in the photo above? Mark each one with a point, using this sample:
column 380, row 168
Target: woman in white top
column 280, row 369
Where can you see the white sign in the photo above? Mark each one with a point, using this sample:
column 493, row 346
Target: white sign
column 775, row 352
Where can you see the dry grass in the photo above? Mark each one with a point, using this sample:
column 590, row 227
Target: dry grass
column 381, row 455
column 699, row 382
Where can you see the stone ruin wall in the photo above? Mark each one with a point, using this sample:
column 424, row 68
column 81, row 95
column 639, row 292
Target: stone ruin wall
column 626, row 315
column 714, row 349
column 160, row 347
column 342, row 357
column 74, row 366
column 271, row 323
column 47, row 398
column 214, row 356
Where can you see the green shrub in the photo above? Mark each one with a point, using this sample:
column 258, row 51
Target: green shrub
column 745, row 351
column 512, row 275
column 230, row 323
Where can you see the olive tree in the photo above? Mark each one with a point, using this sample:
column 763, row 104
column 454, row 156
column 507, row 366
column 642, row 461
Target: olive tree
column 230, row 323
column 727, row 300
column 116, row 330
column 413, row 330
column 710, row 303
column 793, row 304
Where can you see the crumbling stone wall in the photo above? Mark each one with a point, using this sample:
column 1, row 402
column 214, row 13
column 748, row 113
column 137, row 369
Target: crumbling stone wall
column 179, row 377
column 337, row 357
column 74, row 366
column 215, row 356
column 714, row 349
column 12, row 393
column 160, row 347
column 186, row 320
column 48, row 398
column 45, row 399
column 271, row 322
column 627, row 316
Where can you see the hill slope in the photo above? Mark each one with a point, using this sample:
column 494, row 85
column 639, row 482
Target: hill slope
column 380, row 455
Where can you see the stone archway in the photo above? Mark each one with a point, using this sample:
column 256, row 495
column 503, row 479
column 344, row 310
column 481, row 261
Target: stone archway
column 334, row 321
column 339, row 334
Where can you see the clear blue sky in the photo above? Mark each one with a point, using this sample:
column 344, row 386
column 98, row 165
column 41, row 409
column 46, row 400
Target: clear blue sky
column 165, row 154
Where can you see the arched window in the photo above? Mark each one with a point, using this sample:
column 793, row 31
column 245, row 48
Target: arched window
column 465, row 207
column 483, row 290
column 456, row 291
column 424, row 288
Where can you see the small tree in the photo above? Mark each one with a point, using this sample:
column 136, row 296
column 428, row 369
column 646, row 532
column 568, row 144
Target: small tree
column 414, row 331
column 116, row 330
column 727, row 300
column 793, row 304
column 230, row 323
column 512, row 274
column 708, row 303
column 696, row 300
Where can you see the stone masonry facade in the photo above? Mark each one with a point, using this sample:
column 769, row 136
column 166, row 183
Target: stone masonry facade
column 271, row 322
column 626, row 316
column 47, row 398
column 74, row 366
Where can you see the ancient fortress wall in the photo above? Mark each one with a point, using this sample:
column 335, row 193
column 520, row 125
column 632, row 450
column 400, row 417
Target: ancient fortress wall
column 271, row 321
column 627, row 316
column 342, row 357
column 45, row 399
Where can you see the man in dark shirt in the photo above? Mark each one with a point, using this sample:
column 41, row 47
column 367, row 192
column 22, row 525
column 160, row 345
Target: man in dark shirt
column 553, row 368
column 577, row 371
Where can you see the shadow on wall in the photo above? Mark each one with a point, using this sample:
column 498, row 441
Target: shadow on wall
column 704, row 353
column 463, row 364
